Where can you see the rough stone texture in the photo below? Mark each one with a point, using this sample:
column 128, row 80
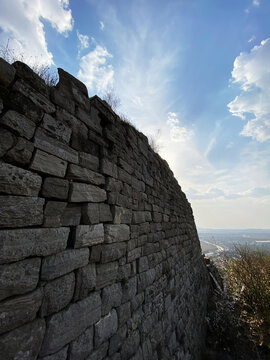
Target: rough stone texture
column 55, row 188
column 111, row 267
column 85, row 281
column 88, row 235
column 18, row 244
column 18, row 123
column 57, row 294
column 19, row 310
column 20, row 211
column 19, row 278
column 66, row 325
column 57, row 265
column 105, row 328
column 86, row 192
column 82, row 346
column 48, row 164
column 17, row 181
column 24, row 342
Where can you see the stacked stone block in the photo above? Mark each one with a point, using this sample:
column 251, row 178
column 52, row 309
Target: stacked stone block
column 99, row 253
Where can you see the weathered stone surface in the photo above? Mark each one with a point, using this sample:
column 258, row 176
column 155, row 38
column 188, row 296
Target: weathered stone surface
column 62, row 263
column 146, row 279
column 68, row 81
column 143, row 264
column 129, row 289
column 19, row 244
column 19, row 123
column 116, row 233
column 138, row 217
column 104, row 213
column 108, row 168
column 89, row 161
column 21, row 152
column 76, row 172
column 60, row 355
column 100, row 353
column 45, row 142
column 134, row 254
column 86, row 192
column 92, row 120
column 19, row 310
column 59, row 129
column 105, row 328
column 20, row 211
column 55, row 188
column 7, row 72
column 71, row 215
column 38, row 99
column 60, row 98
column 106, row 274
column 19, row 278
column 26, row 73
column 85, row 281
column 111, row 297
column 123, row 313
column 68, row 324
column 24, row 342
column 48, row 164
column 82, row 346
column 7, row 141
column 57, row 294
column 90, row 213
column 130, row 345
column 17, row 181
column 111, row 252
column 117, row 340
column 88, row 235
column 121, row 215
column 53, row 213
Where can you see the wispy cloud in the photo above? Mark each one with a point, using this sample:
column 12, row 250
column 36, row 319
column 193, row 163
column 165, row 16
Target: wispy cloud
column 95, row 71
column 21, row 23
column 101, row 25
column 83, row 42
column 252, row 71
column 177, row 133
column 256, row 2
column 253, row 38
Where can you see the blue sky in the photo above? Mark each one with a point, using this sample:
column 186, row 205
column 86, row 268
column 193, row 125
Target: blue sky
column 194, row 74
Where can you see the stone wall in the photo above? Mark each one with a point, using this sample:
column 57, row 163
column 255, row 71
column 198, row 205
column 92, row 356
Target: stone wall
column 99, row 253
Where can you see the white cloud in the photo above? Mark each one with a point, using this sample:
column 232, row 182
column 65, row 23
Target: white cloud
column 95, row 72
column 253, row 37
column 252, row 71
column 84, row 40
column 101, row 25
column 177, row 133
column 21, row 23
column 256, row 2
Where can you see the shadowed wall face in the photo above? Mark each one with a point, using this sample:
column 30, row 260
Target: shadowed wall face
column 99, row 253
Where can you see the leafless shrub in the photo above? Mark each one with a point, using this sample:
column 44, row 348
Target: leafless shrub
column 153, row 141
column 112, row 99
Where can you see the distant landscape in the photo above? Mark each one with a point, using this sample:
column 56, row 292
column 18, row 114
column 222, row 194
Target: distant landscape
column 215, row 242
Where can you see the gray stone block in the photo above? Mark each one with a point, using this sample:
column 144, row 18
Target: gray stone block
column 108, row 168
column 38, row 99
column 145, row 279
column 105, row 328
column 121, row 215
column 55, row 188
column 86, row 192
column 19, row 310
column 123, row 313
column 48, row 164
column 79, row 173
column 24, row 342
column 129, row 289
column 18, row 123
column 116, row 233
column 134, row 254
column 90, row 213
column 19, row 244
column 130, row 346
column 106, row 274
column 72, row 215
column 92, row 120
column 21, row 211
column 59, row 129
column 57, row 294
column 45, row 142
column 111, row 252
column 82, row 346
column 104, row 212
column 21, row 152
column 19, row 278
column 68, row 324
column 60, row 98
column 111, row 297
column 100, row 353
column 59, row 355
column 88, row 235
column 143, row 264
column 117, row 340
column 7, row 72
column 54, row 266
column 138, row 217
column 17, row 181
column 7, row 141
column 89, row 161
column 85, row 281
column 53, row 213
